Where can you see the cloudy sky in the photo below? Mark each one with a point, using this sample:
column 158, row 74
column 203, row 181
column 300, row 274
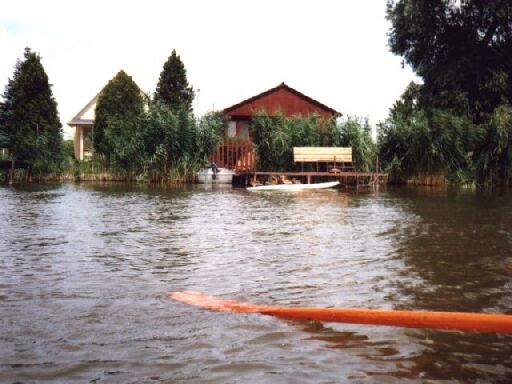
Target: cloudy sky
column 334, row 51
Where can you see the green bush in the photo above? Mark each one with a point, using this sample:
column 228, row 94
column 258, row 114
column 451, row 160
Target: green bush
column 494, row 151
column 355, row 132
column 439, row 143
column 275, row 136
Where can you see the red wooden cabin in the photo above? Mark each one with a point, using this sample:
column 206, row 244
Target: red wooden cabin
column 236, row 152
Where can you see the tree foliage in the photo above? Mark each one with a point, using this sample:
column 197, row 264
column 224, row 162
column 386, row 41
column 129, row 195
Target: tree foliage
column 356, row 132
column 123, row 136
column 418, row 144
column 210, row 131
column 173, row 88
column 461, row 50
column 160, row 144
column 276, row 135
column 458, row 121
column 30, row 127
column 493, row 155
column 156, row 138
column 119, row 106
column 4, row 138
column 175, row 143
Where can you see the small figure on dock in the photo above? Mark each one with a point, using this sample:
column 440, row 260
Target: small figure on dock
column 214, row 168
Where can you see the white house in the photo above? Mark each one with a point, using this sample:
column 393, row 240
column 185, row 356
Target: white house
column 81, row 126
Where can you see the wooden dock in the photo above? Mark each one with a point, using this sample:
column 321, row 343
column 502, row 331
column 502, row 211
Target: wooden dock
column 346, row 178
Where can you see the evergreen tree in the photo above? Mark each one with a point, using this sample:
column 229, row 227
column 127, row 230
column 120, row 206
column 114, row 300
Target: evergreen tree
column 3, row 130
column 30, row 127
column 119, row 101
column 173, row 88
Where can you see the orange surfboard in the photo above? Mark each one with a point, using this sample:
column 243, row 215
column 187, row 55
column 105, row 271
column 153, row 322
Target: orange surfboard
column 461, row 321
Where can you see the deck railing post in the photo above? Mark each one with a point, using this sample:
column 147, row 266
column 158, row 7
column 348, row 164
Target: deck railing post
column 244, row 157
column 230, row 158
column 237, row 157
column 226, row 160
column 232, row 161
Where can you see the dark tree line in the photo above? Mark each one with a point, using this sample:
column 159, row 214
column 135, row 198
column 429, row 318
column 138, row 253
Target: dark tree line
column 458, row 121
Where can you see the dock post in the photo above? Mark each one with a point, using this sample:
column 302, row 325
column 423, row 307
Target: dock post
column 11, row 172
column 29, row 173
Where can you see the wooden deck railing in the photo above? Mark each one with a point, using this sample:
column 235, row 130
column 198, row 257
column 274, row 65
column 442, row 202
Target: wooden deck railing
column 239, row 156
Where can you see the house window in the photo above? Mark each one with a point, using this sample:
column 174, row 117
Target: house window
column 231, row 132
column 243, row 129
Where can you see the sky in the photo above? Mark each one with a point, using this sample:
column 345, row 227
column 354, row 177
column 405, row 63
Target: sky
column 331, row 50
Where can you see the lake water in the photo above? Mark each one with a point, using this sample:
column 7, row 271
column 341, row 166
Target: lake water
column 85, row 271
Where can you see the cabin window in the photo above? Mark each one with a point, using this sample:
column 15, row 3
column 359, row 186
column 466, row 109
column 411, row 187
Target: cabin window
column 231, row 131
column 243, row 129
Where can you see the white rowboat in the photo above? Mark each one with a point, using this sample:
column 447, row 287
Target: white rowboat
column 223, row 176
column 293, row 187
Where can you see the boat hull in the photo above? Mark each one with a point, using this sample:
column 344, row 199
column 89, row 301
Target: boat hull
column 223, row 176
column 294, row 187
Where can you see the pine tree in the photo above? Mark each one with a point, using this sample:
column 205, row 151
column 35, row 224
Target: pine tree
column 3, row 130
column 119, row 101
column 29, row 121
column 173, row 88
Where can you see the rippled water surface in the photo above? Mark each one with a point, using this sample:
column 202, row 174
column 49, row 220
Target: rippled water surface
column 85, row 271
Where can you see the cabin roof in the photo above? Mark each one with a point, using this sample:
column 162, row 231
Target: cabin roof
column 324, row 108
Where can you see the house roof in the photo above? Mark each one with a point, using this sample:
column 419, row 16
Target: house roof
column 288, row 89
column 86, row 114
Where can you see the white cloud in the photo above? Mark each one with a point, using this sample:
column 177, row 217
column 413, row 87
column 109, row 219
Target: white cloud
column 333, row 51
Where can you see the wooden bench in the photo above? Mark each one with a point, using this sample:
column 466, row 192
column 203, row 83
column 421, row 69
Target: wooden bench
column 335, row 155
